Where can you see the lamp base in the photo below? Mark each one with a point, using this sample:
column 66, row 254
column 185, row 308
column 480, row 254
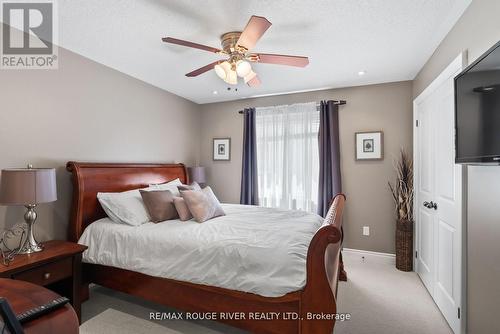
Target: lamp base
column 30, row 245
column 29, row 248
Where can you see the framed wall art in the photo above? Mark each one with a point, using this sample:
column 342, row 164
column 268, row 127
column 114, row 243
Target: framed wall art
column 222, row 149
column 369, row 145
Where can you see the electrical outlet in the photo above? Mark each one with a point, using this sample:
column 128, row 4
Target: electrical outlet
column 366, row 230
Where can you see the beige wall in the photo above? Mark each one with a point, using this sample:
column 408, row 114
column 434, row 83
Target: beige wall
column 477, row 30
column 385, row 107
column 86, row 111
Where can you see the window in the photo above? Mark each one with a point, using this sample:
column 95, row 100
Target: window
column 287, row 156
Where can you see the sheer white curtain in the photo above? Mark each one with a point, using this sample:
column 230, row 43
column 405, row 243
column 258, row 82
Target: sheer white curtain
column 287, row 156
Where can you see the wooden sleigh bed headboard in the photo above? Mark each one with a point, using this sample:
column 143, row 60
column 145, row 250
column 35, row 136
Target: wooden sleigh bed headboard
column 91, row 178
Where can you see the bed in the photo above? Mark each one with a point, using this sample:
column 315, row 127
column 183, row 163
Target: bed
column 293, row 302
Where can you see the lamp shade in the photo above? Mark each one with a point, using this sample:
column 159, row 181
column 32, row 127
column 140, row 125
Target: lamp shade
column 197, row 174
column 25, row 186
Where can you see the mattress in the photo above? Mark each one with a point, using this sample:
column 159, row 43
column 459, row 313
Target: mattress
column 251, row 249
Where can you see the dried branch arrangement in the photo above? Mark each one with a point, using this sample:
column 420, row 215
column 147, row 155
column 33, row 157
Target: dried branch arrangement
column 402, row 190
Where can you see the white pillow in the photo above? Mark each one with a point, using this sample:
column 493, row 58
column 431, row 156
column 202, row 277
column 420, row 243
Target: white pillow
column 125, row 207
column 171, row 185
column 128, row 207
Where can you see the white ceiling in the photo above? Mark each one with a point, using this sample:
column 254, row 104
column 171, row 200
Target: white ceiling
column 389, row 39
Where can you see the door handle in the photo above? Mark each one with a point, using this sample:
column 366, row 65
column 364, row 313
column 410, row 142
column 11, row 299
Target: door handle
column 431, row 205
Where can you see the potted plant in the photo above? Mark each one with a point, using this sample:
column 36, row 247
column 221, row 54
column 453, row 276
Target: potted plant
column 402, row 193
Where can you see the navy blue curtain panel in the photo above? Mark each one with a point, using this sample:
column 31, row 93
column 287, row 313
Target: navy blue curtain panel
column 329, row 156
column 249, row 184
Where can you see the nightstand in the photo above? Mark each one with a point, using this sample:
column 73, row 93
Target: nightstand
column 58, row 268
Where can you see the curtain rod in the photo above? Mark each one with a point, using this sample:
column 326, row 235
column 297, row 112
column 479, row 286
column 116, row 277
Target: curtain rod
column 339, row 102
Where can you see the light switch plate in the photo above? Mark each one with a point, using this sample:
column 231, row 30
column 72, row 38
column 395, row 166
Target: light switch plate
column 366, row 230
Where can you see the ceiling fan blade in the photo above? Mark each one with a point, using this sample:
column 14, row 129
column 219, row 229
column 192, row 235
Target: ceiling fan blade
column 254, row 82
column 267, row 58
column 203, row 69
column 190, row 44
column 256, row 27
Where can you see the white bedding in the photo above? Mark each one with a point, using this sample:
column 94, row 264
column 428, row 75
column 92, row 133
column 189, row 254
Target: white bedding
column 251, row 249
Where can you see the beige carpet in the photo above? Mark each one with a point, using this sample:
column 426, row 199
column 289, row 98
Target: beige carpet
column 382, row 299
column 113, row 321
column 379, row 298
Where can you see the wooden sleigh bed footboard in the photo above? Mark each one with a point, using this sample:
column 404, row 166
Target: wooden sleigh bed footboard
column 310, row 310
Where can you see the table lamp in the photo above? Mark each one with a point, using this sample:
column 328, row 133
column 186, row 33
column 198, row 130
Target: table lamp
column 197, row 174
column 28, row 187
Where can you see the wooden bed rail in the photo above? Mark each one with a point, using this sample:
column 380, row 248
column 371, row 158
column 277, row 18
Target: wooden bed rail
column 323, row 269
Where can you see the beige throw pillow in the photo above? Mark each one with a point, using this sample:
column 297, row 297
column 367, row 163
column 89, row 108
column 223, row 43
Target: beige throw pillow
column 182, row 209
column 202, row 204
column 160, row 205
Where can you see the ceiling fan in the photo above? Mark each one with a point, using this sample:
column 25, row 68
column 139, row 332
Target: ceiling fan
column 236, row 45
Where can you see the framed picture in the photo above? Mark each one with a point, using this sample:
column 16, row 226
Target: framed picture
column 369, row 145
column 222, row 149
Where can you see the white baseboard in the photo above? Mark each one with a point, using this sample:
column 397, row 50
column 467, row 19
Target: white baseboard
column 369, row 256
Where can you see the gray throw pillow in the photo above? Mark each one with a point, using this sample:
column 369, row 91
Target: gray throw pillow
column 192, row 186
column 202, row 204
column 160, row 205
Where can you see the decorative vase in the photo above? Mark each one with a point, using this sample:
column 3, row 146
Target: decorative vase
column 404, row 245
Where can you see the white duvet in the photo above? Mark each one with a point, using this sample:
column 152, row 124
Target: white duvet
column 251, row 249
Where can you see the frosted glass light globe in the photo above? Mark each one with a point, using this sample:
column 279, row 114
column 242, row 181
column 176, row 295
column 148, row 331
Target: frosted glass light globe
column 220, row 71
column 231, row 78
column 243, row 68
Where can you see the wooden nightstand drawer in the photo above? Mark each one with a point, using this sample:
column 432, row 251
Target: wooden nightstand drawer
column 48, row 273
column 58, row 267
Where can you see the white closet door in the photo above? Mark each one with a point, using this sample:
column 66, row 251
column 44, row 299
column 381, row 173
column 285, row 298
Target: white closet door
column 424, row 163
column 438, row 204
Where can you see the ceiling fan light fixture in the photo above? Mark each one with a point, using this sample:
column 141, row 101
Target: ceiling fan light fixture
column 236, row 46
column 243, row 68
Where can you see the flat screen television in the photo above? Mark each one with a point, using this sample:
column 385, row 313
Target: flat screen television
column 477, row 110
